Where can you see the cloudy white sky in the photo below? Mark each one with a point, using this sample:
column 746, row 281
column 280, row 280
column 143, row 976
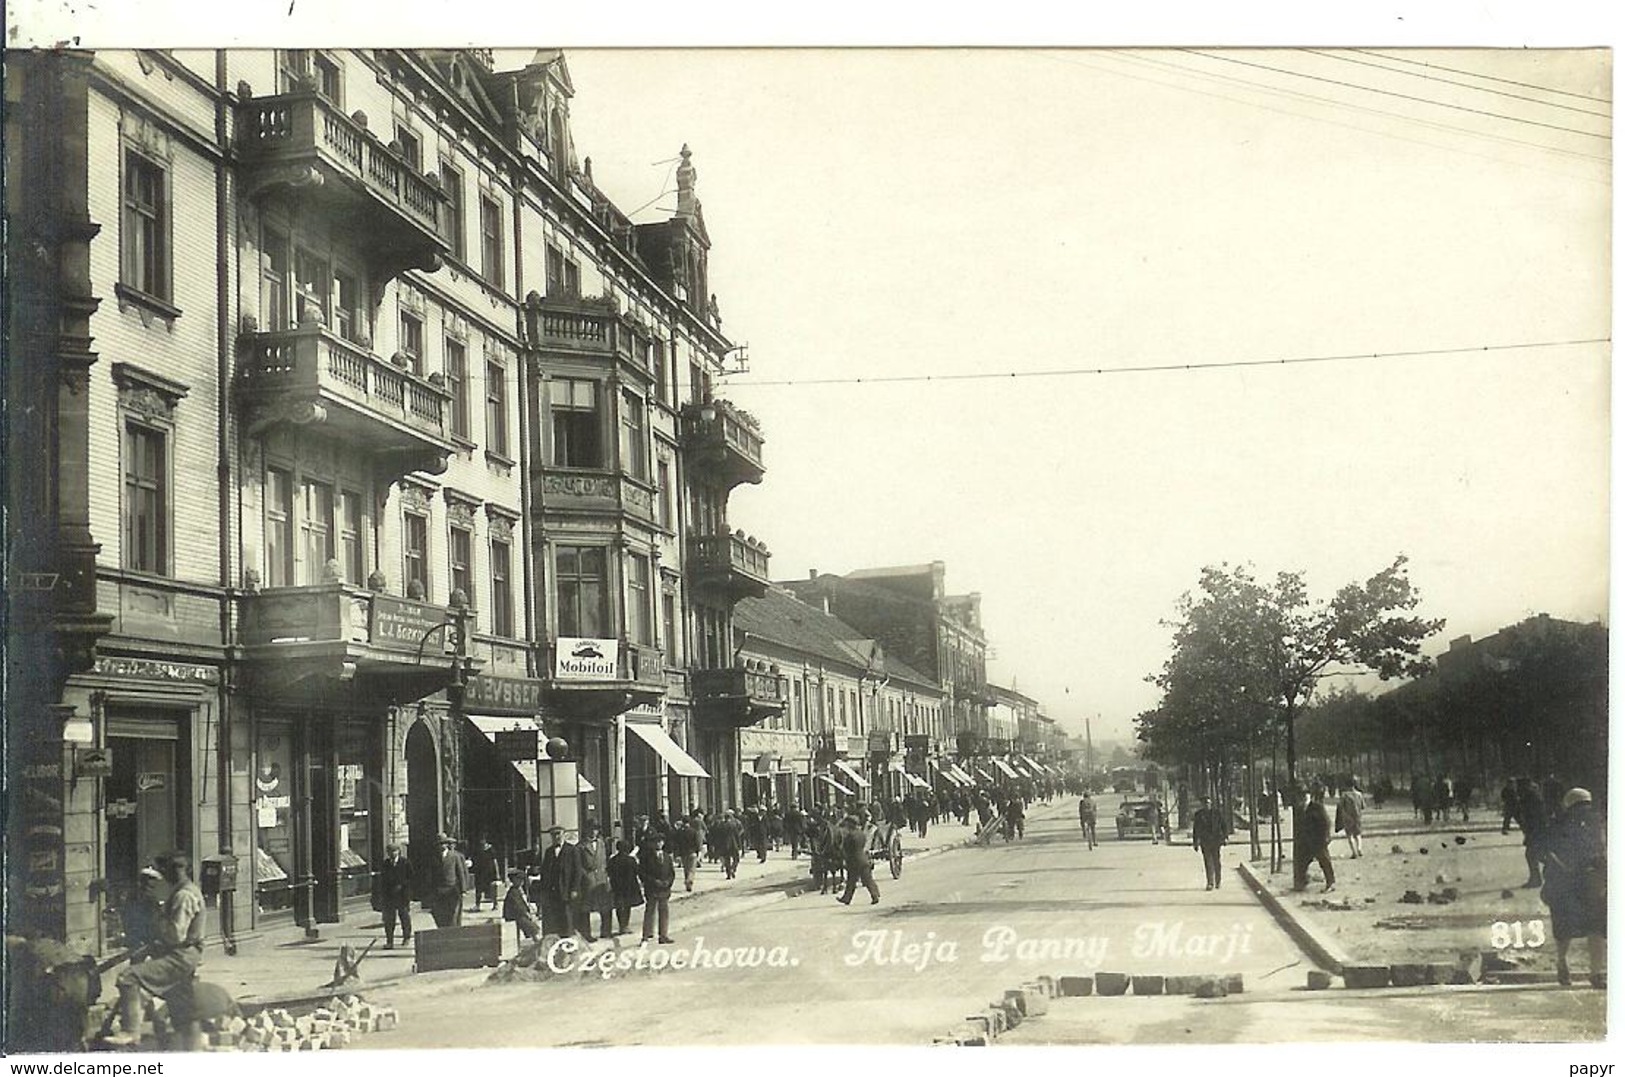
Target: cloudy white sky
column 886, row 214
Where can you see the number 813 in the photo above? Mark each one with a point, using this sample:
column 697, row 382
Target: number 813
column 1518, row 934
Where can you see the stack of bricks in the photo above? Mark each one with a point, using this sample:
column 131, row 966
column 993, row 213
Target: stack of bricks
column 333, row 1025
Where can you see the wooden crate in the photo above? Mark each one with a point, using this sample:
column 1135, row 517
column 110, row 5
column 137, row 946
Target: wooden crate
column 472, row 947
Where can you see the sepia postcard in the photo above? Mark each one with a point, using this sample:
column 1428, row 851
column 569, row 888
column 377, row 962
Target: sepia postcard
column 518, row 542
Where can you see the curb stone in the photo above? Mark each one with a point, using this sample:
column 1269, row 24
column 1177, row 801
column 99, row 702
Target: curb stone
column 1323, row 950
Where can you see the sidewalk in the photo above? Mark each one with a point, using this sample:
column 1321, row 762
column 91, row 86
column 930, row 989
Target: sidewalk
column 281, row 964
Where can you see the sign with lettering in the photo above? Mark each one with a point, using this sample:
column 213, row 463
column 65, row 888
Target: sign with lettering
column 586, row 659
column 152, row 781
column 880, row 743
column 402, row 625
column 92, row 762
column 154, row 670
column 498, row 695
column 516, row 744
column 917, row 742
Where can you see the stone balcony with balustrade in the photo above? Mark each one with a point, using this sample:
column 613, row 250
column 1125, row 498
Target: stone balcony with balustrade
column 737, row 696
column 310, row 375
column 735, row 565
column 724, row 440
column 301, row 142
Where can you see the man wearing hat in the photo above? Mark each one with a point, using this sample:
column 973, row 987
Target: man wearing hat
column 1575, row 853
column 177, row 952
column 592, row 892
column 451, row 881
column 854, row 848
column 557, row 880
column 392, row 895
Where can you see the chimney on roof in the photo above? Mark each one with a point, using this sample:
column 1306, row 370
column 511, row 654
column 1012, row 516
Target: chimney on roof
column 812, row 573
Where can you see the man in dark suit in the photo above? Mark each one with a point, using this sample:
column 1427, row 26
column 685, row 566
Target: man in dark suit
column 1310, row 846
column 854, row 845
column 557, row 881
column 1208, row 835
column 451, row 881
column 656, row 872
column 392, row 895
column 591, row 890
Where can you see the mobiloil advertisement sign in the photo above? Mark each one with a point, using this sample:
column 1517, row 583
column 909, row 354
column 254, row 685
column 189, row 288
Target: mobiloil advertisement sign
column 586, row 659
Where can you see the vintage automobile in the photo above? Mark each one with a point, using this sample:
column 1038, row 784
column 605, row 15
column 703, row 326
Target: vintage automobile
column 1137, row 818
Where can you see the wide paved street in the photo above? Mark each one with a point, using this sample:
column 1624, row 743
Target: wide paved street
column 955, row 931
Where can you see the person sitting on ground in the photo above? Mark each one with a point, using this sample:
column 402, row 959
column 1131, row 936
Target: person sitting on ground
column 173, row 963
column 516, row 907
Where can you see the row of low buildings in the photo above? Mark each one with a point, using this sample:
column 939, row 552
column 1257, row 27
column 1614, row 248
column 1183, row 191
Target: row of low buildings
column 352, row 431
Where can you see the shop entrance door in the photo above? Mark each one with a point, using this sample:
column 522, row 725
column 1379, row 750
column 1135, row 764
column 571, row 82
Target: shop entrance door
column 422, row 807
column 144, row 797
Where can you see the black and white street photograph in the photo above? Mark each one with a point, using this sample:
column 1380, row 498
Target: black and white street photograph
column 745, row 542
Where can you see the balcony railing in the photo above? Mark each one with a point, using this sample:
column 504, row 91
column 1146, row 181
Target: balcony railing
column 735, row 563
column 381, row 406
column 725, row 439
column 737, row 695
column 585, row 326
column 339, row 613
column 306, row 129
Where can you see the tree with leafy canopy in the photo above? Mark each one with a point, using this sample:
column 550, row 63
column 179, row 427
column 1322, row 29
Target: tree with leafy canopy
column 1248, row 655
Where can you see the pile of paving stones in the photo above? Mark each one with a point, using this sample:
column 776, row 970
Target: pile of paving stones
column 333, row 1024
column 1032, row 999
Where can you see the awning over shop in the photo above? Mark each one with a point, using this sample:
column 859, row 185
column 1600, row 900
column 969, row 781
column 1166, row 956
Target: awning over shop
column 681, row 763
column 915, row 781
column 963, row 778
column 1036, row 767
column 982, row 774
column 827, row 780
column 857, row 779
column 1008, row 770
column 490, row 725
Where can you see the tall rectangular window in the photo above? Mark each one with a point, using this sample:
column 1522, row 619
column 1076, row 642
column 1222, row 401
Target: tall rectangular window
column 462, row 555
column 311, row 284
column 491, row 240
column 502, row 589
column 278, row 528
column 668, row 628
column 577, row 427
column 316, row 531
column 146, row 499
column 412, row 342
column 657, row 365
column 146, row 226
column 348, row 319
column 274, row 280
column 352, row 563
column 663, row 506
column 457, row 385
column 582, row 575
column 451, row 182
column 634, row 444
column 639, row 600
column 411, row 147
column 415, row 545
column 496, row 408
column 329, row 80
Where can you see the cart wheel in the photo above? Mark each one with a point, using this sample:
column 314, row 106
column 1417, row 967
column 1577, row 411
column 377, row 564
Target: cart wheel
column 896, row 859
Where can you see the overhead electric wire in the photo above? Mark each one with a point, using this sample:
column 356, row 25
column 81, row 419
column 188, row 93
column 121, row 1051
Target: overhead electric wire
column 1330, row 55
column 1491, row 78
column 1284, row 92
column 1395, row 93
column 1162, row 368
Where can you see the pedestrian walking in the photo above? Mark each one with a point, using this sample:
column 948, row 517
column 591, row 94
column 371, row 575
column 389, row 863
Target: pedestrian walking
column 1209, row 832
column 1086, row 818
column 795, row 828
column 854, row 846
column 592, row 893
column 451, row 881
column 1462, row 790
column 486, row 873
column 1310, row 846
column 730, row 835
column 685, row 847
column 1351, row 818
column 1533, row 819
column 656, row 873
column 1575, row 856
column 626, row 891
column 392, row 895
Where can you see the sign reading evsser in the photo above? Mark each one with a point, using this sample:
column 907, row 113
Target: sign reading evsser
column 504, row 695
column 401, row 625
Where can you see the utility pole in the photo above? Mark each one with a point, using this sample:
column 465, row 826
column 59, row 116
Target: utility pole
column 1088, row 748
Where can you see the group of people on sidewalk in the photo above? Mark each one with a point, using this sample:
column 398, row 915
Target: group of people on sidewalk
column 1565, row 847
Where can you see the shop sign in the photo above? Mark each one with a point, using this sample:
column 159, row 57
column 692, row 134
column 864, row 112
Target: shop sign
column 880, row 743
column 917, row 742
column 152, row 781
column 401, row 625
column 577, row 659
column 92, row 762
column 517, row 744
column 496, row 695
column 152, row 670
